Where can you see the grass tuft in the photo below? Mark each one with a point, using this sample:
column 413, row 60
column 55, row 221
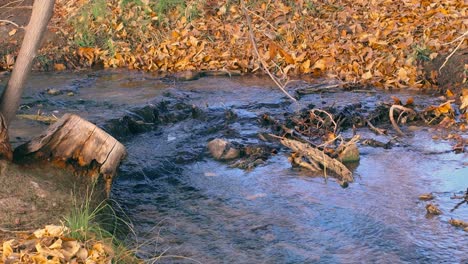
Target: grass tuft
column 89, row 222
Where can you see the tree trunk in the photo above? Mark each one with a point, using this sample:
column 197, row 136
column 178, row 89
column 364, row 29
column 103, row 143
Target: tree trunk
column 41, row 14
column 76, row 144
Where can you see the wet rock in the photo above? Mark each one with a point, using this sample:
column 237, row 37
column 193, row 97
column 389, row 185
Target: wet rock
column 349, row 154
column 426, row 197
column 433, row 209
column 459, row 223
column 54, row 91
column 253, row 156
column 222, row 149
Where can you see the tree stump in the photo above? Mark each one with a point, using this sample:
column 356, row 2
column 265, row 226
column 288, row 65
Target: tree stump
column 75, row 143
column 5, row 147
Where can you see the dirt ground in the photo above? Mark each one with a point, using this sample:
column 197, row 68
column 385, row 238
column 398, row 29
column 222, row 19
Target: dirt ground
column 35, row 195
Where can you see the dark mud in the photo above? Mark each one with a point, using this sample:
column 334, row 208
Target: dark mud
column 183, row 202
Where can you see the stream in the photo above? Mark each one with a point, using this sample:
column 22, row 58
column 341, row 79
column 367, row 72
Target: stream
column 188, row 208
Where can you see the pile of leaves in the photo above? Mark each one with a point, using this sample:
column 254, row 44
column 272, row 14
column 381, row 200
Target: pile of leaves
column 378, row 42
column 52, row 245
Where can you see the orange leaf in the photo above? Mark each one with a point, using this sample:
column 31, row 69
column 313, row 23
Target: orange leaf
column 396, row 100
column 409, row 101
column 320, row 64
column 59, row 67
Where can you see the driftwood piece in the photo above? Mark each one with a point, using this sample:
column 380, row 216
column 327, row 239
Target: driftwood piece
column 76, row 142
column 318, row 156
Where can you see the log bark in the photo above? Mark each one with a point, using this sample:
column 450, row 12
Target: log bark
column 77, row 143
column 6, row 152
column 41, row 14
column 317, row 156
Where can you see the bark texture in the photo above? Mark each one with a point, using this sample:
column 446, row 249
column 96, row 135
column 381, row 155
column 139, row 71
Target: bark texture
column 41, row 14
column 73, row 141
column 5, row 148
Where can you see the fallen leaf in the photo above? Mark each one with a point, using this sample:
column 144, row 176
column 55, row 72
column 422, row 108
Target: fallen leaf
column 449, row 93
column 7, row 249
column 59, row 67
column 464, row 99
column 396, row 100
column 445, row 108
column 367, row 75
column 12, row 32
column 320, row 64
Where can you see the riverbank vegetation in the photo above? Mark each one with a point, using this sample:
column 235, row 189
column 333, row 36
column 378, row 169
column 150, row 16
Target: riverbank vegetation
column 89, row 233
column 380, row 43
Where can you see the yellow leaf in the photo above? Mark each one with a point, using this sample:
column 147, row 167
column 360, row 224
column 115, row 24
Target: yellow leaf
column 12, row 32
column 445, row 108
column 55, row 230
column 7, row 249
column 320, row 64
column 464, row 99
column 119, row 27
column 367, row 75
column 306, row 65
column 57, row 244
column 448, row 93
column 402, row 75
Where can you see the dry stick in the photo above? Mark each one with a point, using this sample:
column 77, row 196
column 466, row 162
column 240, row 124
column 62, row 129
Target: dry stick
column 376, row 130
column 453, row 52
column 257, row 54
column 455, row 40
column 262, row 18
column 9, row 22
column 394, row 124
column 7, row 5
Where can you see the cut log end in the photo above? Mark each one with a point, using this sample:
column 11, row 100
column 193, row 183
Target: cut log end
column 75, row 143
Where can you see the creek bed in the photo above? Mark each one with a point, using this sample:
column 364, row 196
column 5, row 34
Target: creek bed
column 184, row 203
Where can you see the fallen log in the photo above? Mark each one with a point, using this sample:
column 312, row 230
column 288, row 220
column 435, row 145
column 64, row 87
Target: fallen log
column 76, row 143
column 317, row 156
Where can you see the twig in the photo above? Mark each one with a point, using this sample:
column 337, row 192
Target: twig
column 451, row 54
column 257, row 54
column 9, row 22
column 10, row 3
column 392, row 119
column 376, row 130
column 455, row 40
column 262, row 18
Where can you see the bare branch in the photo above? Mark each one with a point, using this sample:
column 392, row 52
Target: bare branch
column 9, row 22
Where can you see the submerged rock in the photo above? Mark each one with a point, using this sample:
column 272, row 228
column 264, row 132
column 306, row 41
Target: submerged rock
column 349, row 154
column 426, row 197
column 222, row 149
column 433, row 209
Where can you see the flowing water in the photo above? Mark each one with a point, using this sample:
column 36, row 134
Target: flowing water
column 183, row 203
